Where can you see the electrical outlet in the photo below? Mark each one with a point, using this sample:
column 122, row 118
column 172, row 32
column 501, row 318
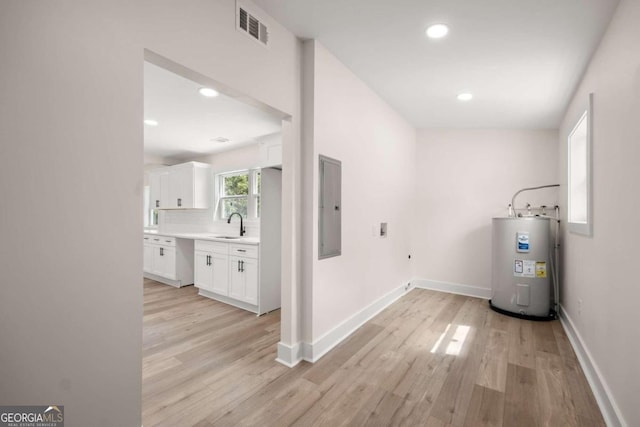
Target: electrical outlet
column 407, row 286
column 383, row 229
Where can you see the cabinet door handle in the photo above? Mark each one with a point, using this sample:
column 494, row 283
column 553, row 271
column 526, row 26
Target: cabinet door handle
column 242, row 265
column 238, row 266
column 179, row 202
column 157, row 203
column 208, row 259
column 241, row 250
column 168, row 241
column 161, row 251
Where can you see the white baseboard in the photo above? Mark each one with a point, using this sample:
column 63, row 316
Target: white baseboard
column 610, row 411
column 313, row 352
column 230, row 301
column 170, row 282
column 289, row 355
column 452, row 288
column 292, row 355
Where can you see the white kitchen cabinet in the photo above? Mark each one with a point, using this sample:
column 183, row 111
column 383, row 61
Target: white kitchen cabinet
column 220, row 264
column 168, row 260
column 202, row 270
column 164, row 262
column 147, row 258
column 243, row 279
column 189, row 186
column 159, row 186
column 230, row 272
column 270, row 148
column 183, row 186
column 211, row 267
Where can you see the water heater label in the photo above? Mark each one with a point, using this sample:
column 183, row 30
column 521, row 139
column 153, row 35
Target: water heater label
column 523, row 241
column 541, row 270
column 525, row 268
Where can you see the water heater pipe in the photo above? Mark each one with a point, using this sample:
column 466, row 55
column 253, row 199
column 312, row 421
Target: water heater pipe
column 513, row 199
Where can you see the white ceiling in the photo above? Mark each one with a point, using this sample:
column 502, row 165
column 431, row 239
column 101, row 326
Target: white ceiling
column 187, row 121
column 521, row 59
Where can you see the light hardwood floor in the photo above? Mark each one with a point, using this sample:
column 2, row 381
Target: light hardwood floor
column 431, row 359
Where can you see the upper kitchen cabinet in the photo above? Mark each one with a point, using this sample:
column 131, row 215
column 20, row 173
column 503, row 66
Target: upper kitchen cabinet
column 270, row 150
column 159, row 188
column 183, row 186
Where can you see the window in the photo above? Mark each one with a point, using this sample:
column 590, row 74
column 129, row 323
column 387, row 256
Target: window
column 150, row 216
column 256, row 192
column 239, row 192
column 579, row 173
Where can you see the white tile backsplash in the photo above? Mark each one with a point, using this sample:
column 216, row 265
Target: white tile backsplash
column 199, row 221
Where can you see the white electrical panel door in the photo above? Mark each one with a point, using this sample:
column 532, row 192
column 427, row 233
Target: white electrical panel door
column 330, row 208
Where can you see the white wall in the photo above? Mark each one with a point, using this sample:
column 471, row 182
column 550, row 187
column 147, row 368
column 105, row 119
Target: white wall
column 247, row 157
column 376, row 147
column 465, row 178
column 601, row 270
column 71, row 253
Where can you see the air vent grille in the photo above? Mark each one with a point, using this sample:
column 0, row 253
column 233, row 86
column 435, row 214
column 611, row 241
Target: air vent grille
column 243, row 19
column 252, row 26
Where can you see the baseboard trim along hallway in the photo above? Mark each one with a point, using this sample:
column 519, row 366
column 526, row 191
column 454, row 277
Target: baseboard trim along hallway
column 601, row 391
column 291, row 355
column 452, row 288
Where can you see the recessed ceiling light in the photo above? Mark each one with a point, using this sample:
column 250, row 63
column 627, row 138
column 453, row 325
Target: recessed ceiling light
column 437, row 31
column 465, row 97
column 150, row 122
column 208, row 92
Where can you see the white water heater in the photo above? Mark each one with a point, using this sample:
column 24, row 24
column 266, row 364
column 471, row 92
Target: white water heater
column 521, row 273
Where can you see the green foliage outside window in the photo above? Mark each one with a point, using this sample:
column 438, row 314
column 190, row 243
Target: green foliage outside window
column 236, row 190
column 236, row 185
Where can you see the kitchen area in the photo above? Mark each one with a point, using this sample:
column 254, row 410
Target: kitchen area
column 212, row 197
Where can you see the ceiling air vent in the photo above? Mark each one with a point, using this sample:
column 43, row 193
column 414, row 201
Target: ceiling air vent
column 249, row 24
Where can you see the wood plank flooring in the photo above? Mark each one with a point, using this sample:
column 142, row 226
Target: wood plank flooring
column 430, row 359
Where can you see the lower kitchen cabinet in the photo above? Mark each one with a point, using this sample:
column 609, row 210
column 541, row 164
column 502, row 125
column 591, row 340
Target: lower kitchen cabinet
column 147, row 258
column 230, row 273
column 168, row 259
column 202, row 270
column 243, row 279
column 164, row 262
column 210, row 270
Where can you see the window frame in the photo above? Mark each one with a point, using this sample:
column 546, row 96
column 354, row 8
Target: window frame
column 151, row 214
column 252, row 197
column 584, row 228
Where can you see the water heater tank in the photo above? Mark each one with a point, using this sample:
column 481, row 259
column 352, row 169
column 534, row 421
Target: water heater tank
column 521, row 273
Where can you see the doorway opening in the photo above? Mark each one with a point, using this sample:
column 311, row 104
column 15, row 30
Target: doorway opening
column 212, row 237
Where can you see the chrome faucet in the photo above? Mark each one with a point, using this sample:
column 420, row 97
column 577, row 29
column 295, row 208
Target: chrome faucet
column 242, row 230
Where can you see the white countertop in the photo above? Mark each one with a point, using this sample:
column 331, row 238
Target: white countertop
column 206, row 236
